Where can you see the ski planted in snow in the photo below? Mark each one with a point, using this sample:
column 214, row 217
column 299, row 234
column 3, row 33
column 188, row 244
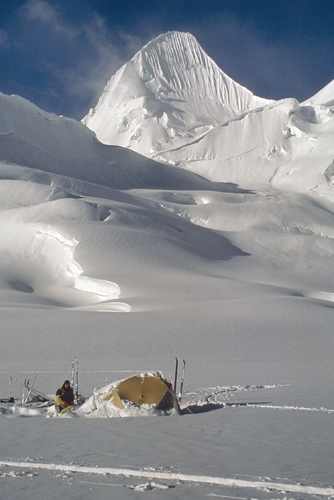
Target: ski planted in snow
column 11, row 386
column 175, row 379
column 76, row 382
column 182, row 379
column 72, row 375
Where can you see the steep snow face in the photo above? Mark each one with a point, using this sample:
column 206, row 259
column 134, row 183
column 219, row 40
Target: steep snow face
column 169, row 93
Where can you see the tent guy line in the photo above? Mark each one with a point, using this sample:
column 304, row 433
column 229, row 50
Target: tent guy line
column 292, row 488
column 62, row 371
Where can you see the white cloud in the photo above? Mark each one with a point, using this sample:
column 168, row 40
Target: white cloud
column 74, row 57
column 89, row 74
column 40, row 11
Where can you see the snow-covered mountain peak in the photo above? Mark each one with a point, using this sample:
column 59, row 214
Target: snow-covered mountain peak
column 169, row 93
column 174, row 63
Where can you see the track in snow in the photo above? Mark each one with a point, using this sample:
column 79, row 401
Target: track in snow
column 239, row 483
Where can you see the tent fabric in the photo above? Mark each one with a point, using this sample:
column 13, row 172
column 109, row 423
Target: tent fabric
column 144, row 389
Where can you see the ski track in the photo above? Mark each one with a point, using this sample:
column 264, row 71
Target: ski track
column 298, row 408
column 171, row 476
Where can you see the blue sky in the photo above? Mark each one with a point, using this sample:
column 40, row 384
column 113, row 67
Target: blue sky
column 60, row 54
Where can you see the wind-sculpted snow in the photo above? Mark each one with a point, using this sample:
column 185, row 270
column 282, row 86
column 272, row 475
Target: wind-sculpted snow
column 56, row 224
column 40, row 209
column 35, row 258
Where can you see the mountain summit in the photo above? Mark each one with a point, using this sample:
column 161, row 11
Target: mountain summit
column 170, row 92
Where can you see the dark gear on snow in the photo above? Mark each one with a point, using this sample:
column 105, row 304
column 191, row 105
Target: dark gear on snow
column 64, row 395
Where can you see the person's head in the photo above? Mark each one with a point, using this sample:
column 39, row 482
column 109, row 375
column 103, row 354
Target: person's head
column 66, row 384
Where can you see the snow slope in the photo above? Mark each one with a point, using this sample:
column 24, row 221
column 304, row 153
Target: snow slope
column 126, row 262
column 33, row 138
column 324, row 96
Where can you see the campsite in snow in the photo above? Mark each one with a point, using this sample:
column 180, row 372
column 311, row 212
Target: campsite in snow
column 183, row 217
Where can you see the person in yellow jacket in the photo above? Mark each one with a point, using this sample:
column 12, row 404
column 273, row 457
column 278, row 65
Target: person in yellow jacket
column 64, row 396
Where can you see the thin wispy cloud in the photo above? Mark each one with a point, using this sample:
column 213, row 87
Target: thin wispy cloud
column 68, row 63
column 38, row 10
column 42, row 13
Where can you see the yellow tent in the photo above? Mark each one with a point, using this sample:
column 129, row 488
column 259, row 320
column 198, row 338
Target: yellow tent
column 144, row 389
